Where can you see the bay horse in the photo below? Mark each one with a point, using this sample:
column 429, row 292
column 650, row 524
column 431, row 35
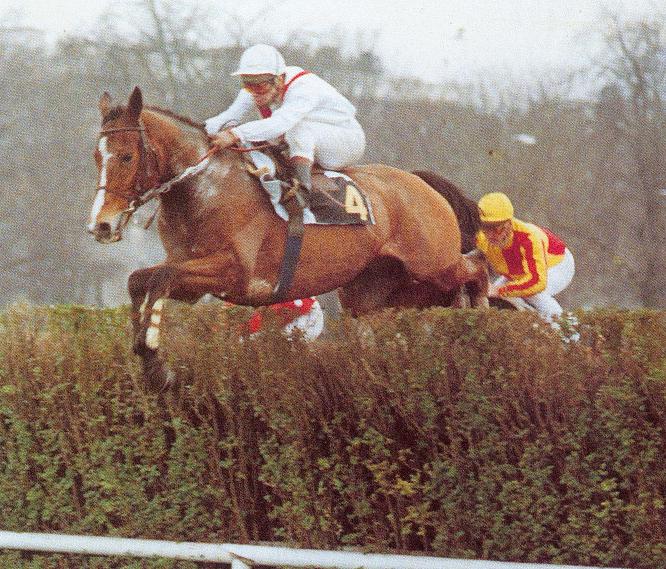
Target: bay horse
column 222, row 236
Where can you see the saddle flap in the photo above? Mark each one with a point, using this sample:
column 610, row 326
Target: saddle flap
column 335, row 200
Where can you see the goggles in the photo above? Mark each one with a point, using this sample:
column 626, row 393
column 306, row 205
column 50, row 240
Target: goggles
column 492, row 225
column 258, row 84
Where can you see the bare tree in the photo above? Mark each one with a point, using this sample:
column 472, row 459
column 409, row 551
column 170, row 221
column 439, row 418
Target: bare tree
column 635, row 74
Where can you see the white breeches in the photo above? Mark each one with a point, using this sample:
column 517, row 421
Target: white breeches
column 558, row 279
column 332, row 146
column 310, row 324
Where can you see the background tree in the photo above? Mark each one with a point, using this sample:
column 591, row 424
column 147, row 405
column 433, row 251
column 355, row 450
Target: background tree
column 591, row 168
column 632, row 110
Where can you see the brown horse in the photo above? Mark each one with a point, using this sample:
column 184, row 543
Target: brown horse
column 222, row 236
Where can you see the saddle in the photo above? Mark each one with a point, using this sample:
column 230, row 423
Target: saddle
column 335, row 199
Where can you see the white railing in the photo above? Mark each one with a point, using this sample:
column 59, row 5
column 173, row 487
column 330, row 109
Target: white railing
column 243, row 556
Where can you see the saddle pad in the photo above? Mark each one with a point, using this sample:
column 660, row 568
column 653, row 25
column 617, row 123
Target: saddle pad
column 340, row 202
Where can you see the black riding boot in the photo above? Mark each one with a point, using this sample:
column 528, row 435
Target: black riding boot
column 303, row 173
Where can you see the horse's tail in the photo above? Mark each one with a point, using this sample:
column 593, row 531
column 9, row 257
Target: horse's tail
column 465, row 209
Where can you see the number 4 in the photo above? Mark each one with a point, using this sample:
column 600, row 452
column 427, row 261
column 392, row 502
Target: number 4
column 354, row 202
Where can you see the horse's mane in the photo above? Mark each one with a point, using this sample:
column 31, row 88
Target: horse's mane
column 181, row 118
column 465, row 209
column 120, row 110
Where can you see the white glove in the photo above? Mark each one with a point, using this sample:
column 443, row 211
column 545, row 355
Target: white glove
column 212, row 125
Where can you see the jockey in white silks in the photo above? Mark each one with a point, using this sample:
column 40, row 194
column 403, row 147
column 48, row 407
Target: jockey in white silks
column 311, row 116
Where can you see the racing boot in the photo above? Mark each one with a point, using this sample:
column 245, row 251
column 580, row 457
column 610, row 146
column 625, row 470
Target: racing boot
column 305, row 193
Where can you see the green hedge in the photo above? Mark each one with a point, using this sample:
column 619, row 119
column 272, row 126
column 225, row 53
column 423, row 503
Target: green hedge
column 476, row 434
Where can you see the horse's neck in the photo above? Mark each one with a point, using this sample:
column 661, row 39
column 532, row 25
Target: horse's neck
column 222, row 191
column 176, row 145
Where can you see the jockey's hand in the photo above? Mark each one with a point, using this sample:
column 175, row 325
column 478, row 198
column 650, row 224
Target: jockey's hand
column 224, row 139
column 211, row 126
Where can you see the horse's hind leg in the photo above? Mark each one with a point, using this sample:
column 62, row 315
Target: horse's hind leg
column 373, row 287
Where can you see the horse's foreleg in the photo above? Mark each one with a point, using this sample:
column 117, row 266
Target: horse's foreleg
column 374, row 287
column 467, row 280
column 138, row 287
column 473, row 272
column 187, row 281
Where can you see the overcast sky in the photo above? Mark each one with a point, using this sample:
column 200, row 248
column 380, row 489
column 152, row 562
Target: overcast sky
column 440, row 39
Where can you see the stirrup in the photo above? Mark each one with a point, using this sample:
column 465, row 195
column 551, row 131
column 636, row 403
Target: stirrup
column 298, row 191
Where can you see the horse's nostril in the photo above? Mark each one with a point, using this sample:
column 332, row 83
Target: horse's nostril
column 103, row 229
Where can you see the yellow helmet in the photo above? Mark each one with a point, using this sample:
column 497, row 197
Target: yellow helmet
column 495, row 207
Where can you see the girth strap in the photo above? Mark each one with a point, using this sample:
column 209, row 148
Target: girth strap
column 292, row 250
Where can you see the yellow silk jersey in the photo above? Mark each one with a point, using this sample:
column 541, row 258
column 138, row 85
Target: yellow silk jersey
column 526, row 260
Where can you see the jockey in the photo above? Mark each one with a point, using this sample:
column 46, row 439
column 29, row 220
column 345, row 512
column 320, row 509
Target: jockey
column 304, row 314
column 532, row 262
column 312, row 117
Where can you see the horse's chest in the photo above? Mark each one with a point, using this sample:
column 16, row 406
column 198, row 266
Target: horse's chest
column 208, row 185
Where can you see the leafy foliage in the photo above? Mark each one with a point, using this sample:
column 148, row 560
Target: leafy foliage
column 476, row 434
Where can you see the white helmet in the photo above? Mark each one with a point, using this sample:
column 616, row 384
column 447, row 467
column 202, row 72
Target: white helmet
column 260, row 59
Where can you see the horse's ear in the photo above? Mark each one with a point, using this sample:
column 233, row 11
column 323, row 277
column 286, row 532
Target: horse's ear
column 105, row 104
column 135, row 104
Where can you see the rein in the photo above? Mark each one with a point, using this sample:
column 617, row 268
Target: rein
column 251, row 148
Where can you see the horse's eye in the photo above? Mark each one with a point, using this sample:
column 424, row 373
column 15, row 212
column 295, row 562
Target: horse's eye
column 126, row 158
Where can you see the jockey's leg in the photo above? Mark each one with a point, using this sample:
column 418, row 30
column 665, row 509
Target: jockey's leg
column 338, row 146
column 303, row 170
column 560, row 276
column 546, row 305
column 331, row 146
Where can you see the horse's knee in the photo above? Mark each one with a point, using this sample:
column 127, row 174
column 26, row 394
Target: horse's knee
column 137, row 284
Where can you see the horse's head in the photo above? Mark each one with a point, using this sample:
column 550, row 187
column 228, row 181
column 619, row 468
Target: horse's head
column 126, row 167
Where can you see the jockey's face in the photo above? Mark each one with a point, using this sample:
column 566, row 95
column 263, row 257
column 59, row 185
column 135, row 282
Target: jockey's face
column 265, row 89
column 499, row 234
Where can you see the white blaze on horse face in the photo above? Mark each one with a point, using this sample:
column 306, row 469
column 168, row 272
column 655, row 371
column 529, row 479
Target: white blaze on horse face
column 101, row 193
column 96, row 208
column 104, row 151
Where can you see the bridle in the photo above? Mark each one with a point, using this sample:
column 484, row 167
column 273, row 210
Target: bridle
column 145, row 169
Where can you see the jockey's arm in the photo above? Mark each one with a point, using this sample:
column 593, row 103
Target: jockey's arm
column 293, row 110
column 535, row 271
column 243, row 104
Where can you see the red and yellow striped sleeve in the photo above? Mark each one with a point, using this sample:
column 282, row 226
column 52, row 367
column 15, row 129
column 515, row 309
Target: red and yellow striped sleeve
column 532, row 277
